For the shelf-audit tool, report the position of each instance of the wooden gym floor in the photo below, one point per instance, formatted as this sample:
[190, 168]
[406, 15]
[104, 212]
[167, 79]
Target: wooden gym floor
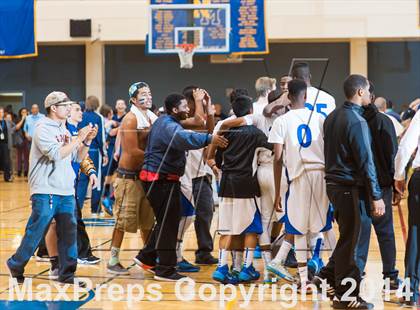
[15, 210]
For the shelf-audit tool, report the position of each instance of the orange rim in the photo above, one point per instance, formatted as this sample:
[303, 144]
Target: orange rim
[186, 47]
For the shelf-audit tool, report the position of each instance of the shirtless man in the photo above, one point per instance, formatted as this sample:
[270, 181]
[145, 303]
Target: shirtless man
[132, 209]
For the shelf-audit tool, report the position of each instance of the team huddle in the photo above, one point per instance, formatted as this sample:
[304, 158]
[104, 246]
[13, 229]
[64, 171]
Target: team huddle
[285, 167]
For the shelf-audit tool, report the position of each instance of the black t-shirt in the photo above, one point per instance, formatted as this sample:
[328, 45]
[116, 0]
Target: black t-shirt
[238, 179]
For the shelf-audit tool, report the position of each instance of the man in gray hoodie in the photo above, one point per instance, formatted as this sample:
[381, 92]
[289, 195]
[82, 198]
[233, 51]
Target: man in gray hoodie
[51, 182]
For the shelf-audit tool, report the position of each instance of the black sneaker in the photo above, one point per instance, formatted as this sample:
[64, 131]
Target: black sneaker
[170, 278]
[206, 260]
[20, 279]
[394, 285]
[407, 303]
[74, 281]
[291, 261]
[357, 303]
[318, 281]
[91, 260]
[143, 266]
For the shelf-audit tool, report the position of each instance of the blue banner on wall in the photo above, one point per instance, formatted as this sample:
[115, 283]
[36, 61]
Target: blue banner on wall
[248, 27]
[248, 33]
[17, 29]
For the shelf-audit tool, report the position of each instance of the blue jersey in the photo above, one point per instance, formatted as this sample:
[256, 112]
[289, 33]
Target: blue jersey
[73, 132]
[91, 117]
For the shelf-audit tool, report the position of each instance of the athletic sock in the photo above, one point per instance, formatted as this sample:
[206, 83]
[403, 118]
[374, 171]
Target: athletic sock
[283, 252]
[249, 257]
[184, 224]
[266, 255]
[238, 259]
[223, 256]
[115, 253]
[54, 262]
[179, 251]
[303, 274]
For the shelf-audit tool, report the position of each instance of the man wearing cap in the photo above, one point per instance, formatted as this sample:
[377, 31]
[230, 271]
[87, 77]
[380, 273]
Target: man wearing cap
[132, 209]
[51, 182]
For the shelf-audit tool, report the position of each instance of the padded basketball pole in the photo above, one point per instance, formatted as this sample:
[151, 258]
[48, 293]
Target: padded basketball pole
[190, 21]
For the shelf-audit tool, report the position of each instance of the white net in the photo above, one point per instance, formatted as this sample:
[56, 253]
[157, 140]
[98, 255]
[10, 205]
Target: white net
[186, 57]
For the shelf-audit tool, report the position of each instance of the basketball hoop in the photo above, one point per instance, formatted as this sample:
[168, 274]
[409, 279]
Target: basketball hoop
[185, 53]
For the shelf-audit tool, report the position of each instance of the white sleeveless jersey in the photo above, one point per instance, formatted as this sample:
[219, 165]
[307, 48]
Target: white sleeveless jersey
[303, 143]
[325, 103]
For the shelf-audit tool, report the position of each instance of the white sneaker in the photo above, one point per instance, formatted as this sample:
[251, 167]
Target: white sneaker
[42, 259]
[53, 274]
[279, 270]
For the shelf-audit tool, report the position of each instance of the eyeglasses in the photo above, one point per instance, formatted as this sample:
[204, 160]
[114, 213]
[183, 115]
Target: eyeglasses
[63, 105]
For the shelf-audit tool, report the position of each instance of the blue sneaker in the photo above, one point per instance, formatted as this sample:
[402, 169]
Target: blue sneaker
[222, 275]
[315, 264]
[248, 274]
[235, 275]
[185, 266]
[257, 252]
[108, 203]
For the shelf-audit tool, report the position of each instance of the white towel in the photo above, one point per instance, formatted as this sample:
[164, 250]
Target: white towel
[143, 121]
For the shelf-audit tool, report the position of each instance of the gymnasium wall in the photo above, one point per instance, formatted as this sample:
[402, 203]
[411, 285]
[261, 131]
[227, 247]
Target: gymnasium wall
[126, 20]
[56, 68]
[395, 69]
[126, 64]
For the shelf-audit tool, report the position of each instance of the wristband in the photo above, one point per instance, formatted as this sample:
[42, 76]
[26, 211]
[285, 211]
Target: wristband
[85, 144]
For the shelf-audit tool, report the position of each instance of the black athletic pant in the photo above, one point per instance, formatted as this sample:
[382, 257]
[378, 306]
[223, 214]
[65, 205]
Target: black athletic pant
[203, 201]
[348, 205]
[165, 199]
[384, 229]
[5, 162]
[412, 249]
[84, 249]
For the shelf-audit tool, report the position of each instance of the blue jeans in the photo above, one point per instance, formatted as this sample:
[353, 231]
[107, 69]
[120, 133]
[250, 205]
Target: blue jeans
[83, 183]
[384, 230]
[44, 209]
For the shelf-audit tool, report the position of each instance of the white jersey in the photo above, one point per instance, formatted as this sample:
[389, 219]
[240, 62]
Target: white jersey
[219, 123]
[261, 122]
[195, 164]
[409, 142]
[325, 103]
[264, 124]
[303, 142]
[258, 107]
[399, 129]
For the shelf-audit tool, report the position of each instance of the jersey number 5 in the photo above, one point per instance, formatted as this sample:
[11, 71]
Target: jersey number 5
[304, 135]
[319, 107]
